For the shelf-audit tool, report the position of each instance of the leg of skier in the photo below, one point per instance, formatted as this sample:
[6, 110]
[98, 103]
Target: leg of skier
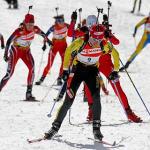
[106, 67]
[124, 101]
[51, 56]
[62, 48]
[69, 98]
[27, 58]
[143, 42]
[92, 81]
[13, 58]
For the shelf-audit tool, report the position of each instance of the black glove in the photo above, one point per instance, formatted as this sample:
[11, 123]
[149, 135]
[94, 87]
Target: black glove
[107, 34]
[65, 75]
[113, 75]
[74, 16]
[6, 57]
[135, 30]
[79, 25]
[2, 46]
[49, 42]
[44, 47]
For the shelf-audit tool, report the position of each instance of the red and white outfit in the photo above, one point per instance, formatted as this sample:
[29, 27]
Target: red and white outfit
[20, 49]
[59, 45]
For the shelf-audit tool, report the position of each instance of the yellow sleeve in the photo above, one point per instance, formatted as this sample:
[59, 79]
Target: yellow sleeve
[74, 46]
[115, 56]
[143, 21]
[109, 48]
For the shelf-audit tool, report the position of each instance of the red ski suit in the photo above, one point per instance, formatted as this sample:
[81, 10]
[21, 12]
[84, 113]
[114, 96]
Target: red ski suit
[20, 49]
[59, 45]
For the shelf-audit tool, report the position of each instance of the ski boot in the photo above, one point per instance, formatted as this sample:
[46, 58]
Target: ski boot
[29, 96]
[132, 11]
[124, 67]
[40, 81]
[59, 81]
[9, 7]
[132, 117]
[15, 5]
[54, 129]
[96, 130]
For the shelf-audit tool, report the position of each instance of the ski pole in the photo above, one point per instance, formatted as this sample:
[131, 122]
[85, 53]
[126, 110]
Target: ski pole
[70, 117]
[109, 5]
[61, 92]
[49, 89]
[59, 96]
[136, 88]
[40, 64]
[30, 7]
[99, 10]
[57, 8]
[140, 1]
[134, 41]
[80, 11]
[50, 114]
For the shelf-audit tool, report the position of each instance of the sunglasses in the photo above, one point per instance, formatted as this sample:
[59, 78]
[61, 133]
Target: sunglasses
[60, 20]
[29, 24]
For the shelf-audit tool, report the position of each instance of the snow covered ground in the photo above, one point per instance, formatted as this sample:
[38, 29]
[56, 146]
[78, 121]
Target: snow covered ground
[20, 120]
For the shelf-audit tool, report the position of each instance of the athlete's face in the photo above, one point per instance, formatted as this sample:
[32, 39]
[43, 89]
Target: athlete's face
[94, 42]
[29, 26]
[60, 21]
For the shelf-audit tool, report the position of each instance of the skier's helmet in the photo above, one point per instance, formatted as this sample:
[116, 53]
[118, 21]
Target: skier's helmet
[29, 18]
[91, 20]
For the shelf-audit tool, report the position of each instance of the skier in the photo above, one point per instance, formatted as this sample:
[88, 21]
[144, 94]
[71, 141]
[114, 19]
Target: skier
[2, 41]
[110, 70]
[143, 42]
[59, 30]
[85, 69]
[20, 49]
[134, 5]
